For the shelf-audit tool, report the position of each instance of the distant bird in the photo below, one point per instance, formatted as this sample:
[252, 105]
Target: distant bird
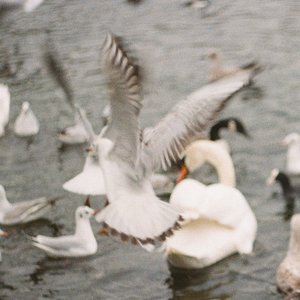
[23, 211]
[292, 141]
[2, 234]
[290, 193]
[4, 107]
[82, 243]
[26, 123]
[128, 157]
[232, 124]
[288, 274]
[218, 71]
[28, 5]
[75, 134]
[200, 4]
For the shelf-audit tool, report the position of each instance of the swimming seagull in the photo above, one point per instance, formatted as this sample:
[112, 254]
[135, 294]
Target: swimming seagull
[218, 71]
[26, 123]
[232, 124]
[128, 157]
[28, 5]
[82, 243]
[292, 141]
[24, 211]
[75, 134]
[288, 275]
[4, 107]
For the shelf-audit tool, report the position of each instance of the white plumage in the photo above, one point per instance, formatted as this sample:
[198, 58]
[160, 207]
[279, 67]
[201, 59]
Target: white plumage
[4, 107]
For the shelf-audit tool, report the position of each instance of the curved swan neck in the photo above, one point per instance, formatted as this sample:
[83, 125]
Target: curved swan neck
[208, 151]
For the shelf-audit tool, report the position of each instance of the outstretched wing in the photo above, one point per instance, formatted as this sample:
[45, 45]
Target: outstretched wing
[191, 117]
[125, 101]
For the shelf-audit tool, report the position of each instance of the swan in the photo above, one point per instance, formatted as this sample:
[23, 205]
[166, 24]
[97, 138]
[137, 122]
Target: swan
[217, 71]
[232, 124]
[26, 123]
[292, 141]
[23, 211]
[218, 219]
[128, 156]
[4, 107]
[82, 243]
[288, 272]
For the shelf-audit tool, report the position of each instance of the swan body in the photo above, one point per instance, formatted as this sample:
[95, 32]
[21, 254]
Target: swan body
[24, 211]
[292, 141]
[82, 243]
[26, 123]
[288, 272]
[218, 222]
[4, 107]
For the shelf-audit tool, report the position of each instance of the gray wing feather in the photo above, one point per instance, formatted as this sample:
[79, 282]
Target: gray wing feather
[125, 101]
[191, 117]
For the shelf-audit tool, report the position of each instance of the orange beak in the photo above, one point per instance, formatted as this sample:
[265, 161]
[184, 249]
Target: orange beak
[182, 173]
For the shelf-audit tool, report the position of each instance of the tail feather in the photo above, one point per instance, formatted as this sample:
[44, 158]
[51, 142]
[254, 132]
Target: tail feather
[145, 220]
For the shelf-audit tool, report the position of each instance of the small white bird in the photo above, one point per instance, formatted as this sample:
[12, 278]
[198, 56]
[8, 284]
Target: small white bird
[288, 272]
[28, 5]
[292, 141]
[4, 107]
[82, 243]
[26, 123]
[24, 211]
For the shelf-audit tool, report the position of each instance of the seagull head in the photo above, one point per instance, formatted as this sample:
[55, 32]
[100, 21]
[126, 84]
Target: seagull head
[25, 107]
[84, 212]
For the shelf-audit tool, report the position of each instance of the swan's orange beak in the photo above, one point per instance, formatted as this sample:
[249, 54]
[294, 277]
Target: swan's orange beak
[182, 173]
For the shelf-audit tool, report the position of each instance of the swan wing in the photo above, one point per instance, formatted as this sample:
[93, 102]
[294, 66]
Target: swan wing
[191, 117]
[123, 80]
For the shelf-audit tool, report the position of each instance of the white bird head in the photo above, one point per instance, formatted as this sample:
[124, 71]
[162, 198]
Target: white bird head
[25, 107]
[84, 212]
[291, 139]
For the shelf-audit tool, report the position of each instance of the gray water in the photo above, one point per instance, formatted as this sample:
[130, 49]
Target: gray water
[171, 42]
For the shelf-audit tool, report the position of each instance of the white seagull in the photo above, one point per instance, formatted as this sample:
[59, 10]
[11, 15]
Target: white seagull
[26, 123]
[28, 5]
[23, 211]
[4, 107]
[128, 157]
[82, 243]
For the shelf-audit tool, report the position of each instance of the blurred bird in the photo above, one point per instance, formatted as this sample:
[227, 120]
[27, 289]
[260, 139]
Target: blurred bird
[218, 71]
[4, 107]
[27, 5]
[26, 123]
[292, 141]
[128, 157]
[23, 211]
[200, 4]
[82, 243]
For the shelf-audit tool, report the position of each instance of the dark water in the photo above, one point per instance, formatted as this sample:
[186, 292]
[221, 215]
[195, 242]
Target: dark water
[171, 42]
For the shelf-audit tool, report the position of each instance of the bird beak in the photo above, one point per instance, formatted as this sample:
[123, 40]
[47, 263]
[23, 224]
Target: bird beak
[96, 211]
[182, 173]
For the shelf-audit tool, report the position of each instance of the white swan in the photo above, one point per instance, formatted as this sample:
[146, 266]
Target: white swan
[4, 107]
[23, 211]
[288, 272]
[217, 71]
[82, 243]
[128, 157]
[292, 141]
[232, 124]
[218, 219]
[26, 123]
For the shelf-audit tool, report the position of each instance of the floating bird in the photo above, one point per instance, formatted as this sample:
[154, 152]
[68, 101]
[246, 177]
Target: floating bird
[28, 5]
[218, 71]
[26, 123]
[290, 193]
[218, 219]
[24, 211]
[288, 272]
[4, 107]
[128, 158]
[82, 243]
[75, 134]
[292, 141]
[233, 124]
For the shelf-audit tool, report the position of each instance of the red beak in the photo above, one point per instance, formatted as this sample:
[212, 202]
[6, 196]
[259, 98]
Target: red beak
[182, 173]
